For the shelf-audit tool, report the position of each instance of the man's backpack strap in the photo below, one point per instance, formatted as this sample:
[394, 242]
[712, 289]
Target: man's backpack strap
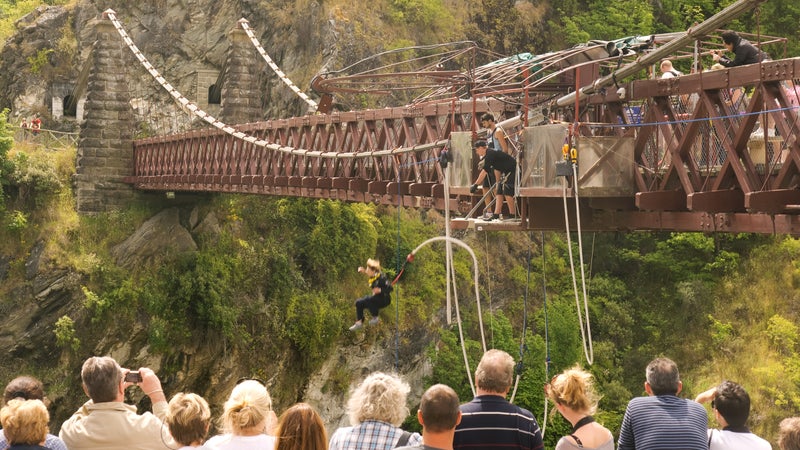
[403, 439]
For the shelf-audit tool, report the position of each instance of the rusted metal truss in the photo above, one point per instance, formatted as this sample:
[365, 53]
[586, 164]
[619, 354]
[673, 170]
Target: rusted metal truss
[703, 159]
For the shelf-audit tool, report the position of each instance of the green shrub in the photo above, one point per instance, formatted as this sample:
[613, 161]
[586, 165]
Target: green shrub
[65, 334]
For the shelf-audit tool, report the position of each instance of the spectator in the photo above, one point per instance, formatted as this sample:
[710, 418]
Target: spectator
[573, 394]
[105, 422]
[662, 420]
[24, 124]
[36, 124]
[731, 406]
[489, 421]
[188, 419]
[246, 419]
[376, 408]
[504, 168]
[496, 135]
[25, 424]
[28, 388]
[301, 428]
[789, 435]
[667, 71]
[378, 299]
[745, 52]
[438, 414]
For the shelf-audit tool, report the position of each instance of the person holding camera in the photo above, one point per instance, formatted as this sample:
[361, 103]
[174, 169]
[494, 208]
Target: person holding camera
[745, 52]
[105, 421]
[504, 167]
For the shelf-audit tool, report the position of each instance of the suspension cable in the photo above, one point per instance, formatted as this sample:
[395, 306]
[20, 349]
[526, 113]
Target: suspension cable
[246, 27]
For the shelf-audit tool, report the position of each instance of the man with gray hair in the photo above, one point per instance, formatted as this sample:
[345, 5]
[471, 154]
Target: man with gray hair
[490, 421]
[663, 420]
[105, 421]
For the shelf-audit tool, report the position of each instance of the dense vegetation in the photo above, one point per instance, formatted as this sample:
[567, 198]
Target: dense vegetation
[279, 274]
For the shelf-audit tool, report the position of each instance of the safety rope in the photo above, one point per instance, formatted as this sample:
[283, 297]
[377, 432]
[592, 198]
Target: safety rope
[546, 333]
[586, 331]
[523, 346]
[188, 105]
[246, 27]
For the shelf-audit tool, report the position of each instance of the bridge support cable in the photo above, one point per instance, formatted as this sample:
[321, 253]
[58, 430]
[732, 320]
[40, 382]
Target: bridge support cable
[458, 313]
[245, 25]
[192, 108]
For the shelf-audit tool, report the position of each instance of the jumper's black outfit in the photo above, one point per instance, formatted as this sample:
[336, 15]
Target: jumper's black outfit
[506, 164]
[374, 302]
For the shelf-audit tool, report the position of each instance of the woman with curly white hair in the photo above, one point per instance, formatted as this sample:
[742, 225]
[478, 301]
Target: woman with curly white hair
[376, 408]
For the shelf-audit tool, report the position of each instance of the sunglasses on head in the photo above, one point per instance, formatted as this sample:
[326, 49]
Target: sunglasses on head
[243, 379]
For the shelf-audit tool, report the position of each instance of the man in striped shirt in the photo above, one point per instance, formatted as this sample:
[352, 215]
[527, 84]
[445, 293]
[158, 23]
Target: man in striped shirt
[662, 420]
[489, 421]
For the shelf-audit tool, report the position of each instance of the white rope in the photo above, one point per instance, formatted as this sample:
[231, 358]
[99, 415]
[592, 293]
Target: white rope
[246, 27]
[587, 350]
[186, 104]
[458, 313]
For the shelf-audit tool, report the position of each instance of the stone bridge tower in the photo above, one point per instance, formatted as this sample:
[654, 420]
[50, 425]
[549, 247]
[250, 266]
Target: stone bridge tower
[105, 149]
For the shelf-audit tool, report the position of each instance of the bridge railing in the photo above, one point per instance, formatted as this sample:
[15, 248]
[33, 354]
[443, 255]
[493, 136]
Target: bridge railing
[46, 138]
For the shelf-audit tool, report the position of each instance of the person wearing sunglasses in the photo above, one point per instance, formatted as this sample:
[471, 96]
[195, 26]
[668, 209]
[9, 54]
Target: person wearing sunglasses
[573, 394]
[378, 299]
[730, 403]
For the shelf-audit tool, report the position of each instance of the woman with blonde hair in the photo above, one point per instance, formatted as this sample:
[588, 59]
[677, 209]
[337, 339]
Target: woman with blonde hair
[376, 408]
[188, 419]
[246, 419]
[574, 396]
[301, 428]
[25, 424]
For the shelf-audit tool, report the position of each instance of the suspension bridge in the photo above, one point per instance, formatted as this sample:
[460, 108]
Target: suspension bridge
[712, 151]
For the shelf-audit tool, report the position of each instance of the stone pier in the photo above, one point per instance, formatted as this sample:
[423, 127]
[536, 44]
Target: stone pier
[105, 148]
[241, 95]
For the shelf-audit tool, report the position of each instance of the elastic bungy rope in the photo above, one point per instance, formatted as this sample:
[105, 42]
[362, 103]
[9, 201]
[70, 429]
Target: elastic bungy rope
[588, 351]
[397, 291]
[411, 257]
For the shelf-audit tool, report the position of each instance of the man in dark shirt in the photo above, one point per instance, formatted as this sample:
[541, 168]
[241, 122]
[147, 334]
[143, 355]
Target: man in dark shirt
[746, 53]
[504, 167]
[489, 421]
[438, 414]
[662, 420]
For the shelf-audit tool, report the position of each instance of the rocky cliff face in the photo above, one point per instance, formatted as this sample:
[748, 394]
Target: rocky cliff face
[206, 365]
[178, 37]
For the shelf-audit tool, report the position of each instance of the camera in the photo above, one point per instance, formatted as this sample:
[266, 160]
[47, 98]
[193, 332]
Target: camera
[133, 377]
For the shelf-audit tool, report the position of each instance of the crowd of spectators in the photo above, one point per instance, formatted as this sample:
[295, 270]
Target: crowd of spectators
[377, 409]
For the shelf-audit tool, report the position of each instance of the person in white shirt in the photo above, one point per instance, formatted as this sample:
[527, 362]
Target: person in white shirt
[188, 419]
[246, 419]
[731, 406]
[667, 71]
